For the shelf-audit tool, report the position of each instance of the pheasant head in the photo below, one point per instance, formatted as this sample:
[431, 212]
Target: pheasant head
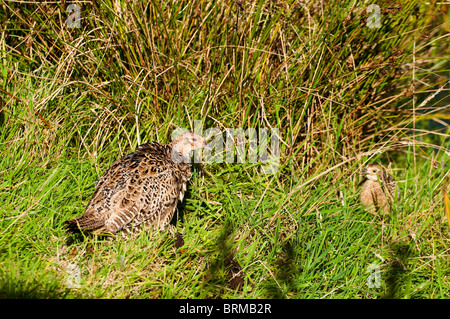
[184, 144]
[372, 172]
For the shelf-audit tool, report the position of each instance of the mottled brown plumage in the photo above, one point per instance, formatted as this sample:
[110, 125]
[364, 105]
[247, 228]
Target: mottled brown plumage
[140, 189]
[379, 189]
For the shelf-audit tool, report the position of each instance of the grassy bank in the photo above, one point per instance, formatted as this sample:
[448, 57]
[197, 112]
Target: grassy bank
[341, 94]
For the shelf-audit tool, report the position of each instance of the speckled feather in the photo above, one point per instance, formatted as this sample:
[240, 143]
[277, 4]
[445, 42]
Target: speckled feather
[140, 189]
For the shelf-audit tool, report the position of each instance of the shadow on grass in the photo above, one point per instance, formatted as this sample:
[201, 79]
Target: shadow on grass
[397, 272]
[285, 271]
[224, 272]
[31, 288]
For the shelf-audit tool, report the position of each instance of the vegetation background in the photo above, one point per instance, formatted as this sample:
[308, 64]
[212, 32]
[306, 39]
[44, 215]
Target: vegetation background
[342, 94]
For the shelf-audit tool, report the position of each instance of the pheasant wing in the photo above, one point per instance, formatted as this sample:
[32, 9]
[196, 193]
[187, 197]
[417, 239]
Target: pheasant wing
[118, 197]
[158, 202]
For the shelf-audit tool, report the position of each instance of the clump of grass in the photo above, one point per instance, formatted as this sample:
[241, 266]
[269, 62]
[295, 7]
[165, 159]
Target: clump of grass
[340, 93]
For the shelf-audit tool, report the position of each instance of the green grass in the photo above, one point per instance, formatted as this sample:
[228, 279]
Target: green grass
[74, 100]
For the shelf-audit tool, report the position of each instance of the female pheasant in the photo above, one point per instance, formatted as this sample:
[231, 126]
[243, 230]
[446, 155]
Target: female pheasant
[140, 189]
[379, 189]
